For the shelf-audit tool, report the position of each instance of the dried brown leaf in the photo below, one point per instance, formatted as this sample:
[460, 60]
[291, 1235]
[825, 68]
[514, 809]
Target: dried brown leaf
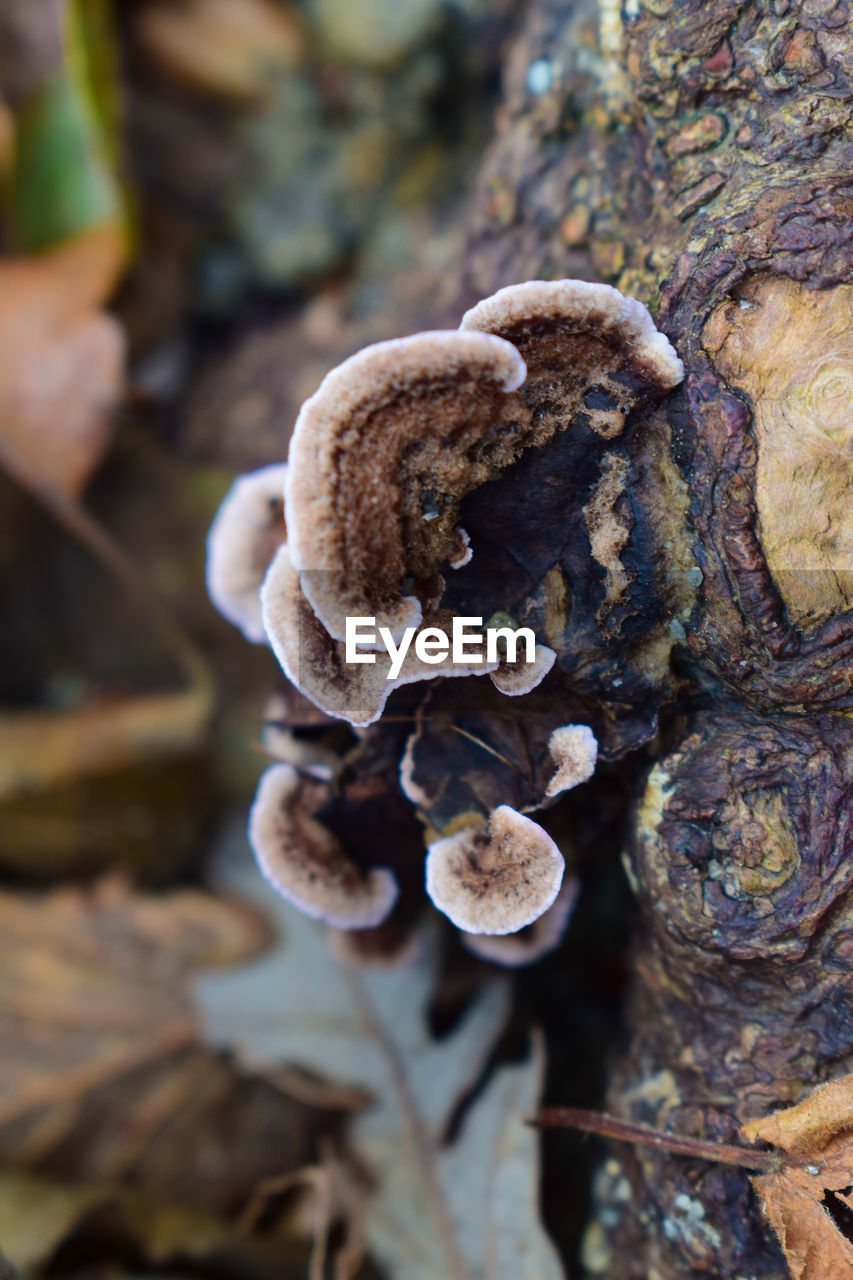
[807, 1200]
[40, 749]
[92, 983]
[61, 361]
[226, 48]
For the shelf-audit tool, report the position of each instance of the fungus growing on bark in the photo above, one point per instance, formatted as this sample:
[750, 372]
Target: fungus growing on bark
[316, 663]
[397, 435]
[535, 941]
[380, 456]
[516, 678]
[603, 347]
[574, 750]
[248, 528]
[515, 415]
[495, 878]
[304, 862]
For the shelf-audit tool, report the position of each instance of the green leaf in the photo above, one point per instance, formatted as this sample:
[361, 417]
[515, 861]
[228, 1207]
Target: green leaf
[64, 176]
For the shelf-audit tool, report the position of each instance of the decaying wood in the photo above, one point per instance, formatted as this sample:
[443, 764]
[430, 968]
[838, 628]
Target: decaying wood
[698, 156]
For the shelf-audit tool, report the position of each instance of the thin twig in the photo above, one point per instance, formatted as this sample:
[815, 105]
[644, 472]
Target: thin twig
[646, 1136]
[472, 737]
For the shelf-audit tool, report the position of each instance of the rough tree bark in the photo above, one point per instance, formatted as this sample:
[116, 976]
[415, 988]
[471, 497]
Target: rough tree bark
[699, 156]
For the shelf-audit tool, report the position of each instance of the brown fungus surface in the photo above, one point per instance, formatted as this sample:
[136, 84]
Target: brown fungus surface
[304, 861]
[473, 749]
[495, 878]
[379, 459]
[510, 470]
[519, 677]
[316, 664]
[245, 535]
[397, 435]
[589, 351]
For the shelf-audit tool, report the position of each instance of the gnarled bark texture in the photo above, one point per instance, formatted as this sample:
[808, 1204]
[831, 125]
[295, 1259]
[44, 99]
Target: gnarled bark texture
[698, 156]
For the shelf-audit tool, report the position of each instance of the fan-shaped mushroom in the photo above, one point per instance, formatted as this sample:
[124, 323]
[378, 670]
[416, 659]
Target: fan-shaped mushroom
[380, 456]
[248, 528]
[306, 864]
[317, 664]
[574, 750]
[495, 878]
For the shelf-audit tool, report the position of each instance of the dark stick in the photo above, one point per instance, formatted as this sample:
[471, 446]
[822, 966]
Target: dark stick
[624, 1131]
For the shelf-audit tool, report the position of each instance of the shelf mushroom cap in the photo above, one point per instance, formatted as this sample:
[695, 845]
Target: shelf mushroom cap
[603, 330]
[517, 678]
[497, 878]
[380, 457]
[304, 862]
[514, 950]
[247, 529]
[316, 664]
[574, 750]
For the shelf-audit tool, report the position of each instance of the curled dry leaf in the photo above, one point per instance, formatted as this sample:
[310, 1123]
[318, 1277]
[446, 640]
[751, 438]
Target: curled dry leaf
[809, 1199]
[61, 361]
[91, 984]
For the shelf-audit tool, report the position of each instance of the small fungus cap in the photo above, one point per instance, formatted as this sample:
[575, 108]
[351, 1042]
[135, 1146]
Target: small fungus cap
[574, 750]
[519, 677]
[513, 950]
[380, 457]
[496, 879]
[246, 531]
[316, 663]
[580, 307]
[304, 862]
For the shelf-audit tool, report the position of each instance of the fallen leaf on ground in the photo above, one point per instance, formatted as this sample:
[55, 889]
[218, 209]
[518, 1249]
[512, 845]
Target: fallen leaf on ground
[226, 48]
[40, 749]
[38, 1216]
[809, 1200]
[331, 1192]
[61, 361]
[93, 983]
[460, 1209]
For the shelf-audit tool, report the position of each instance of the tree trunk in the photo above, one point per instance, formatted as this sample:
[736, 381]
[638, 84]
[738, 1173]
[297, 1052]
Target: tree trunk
[698, 156]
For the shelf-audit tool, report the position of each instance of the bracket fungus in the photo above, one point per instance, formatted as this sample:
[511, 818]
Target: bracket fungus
[395, 437]
[248, 528]
[512, 950]
[574, 750]
[437, 480]
[306, 864]
[517, 678]
[496, 878]
[379, 458]
[316, 663]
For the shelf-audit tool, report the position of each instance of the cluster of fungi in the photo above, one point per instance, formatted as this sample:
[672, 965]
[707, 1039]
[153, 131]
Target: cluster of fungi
[681, 548]
[482, 472]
